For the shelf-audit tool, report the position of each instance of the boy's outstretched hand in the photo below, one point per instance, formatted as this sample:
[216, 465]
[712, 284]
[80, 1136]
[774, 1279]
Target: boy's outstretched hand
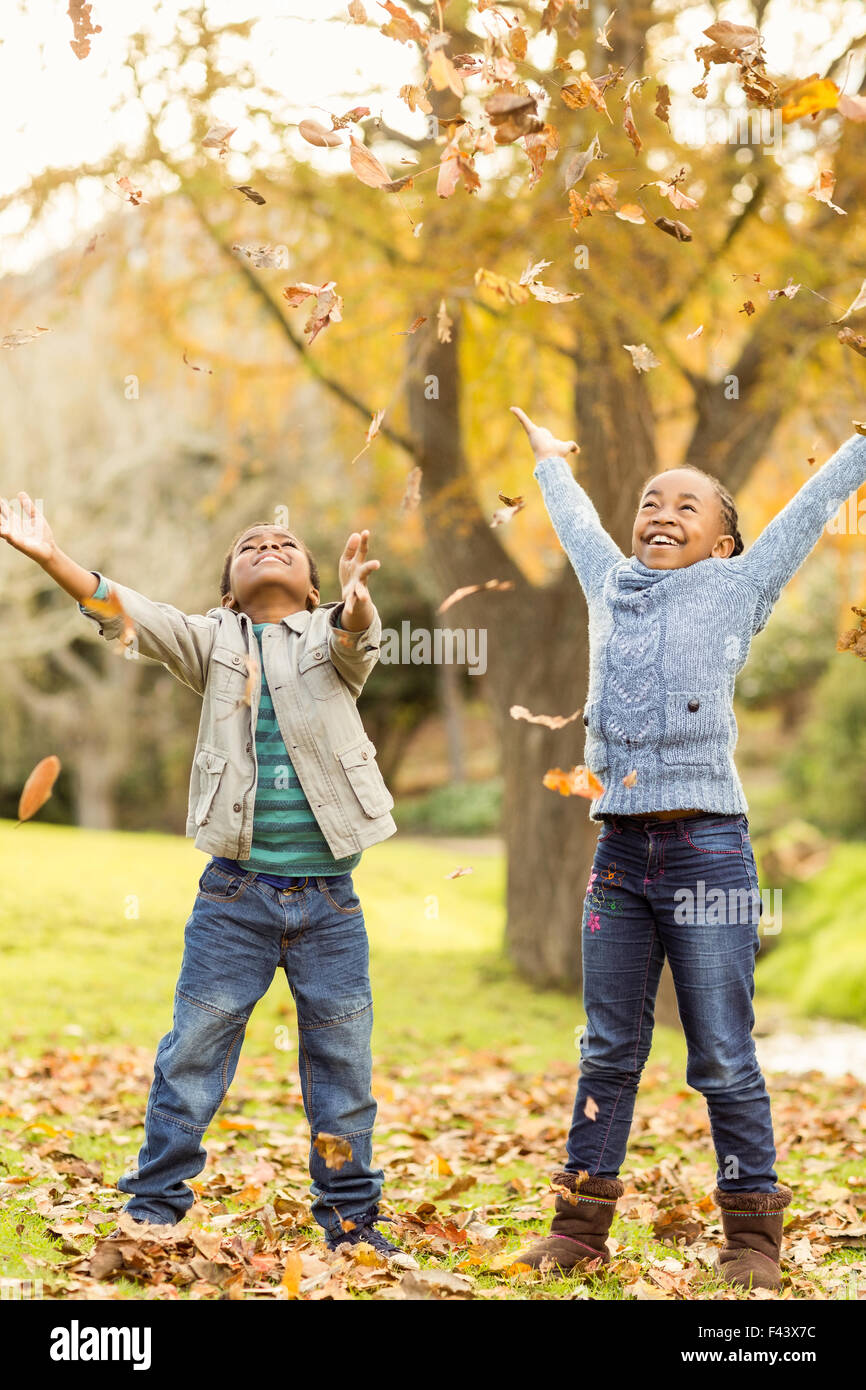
[541, 441]
[354, 567]
[26, 529]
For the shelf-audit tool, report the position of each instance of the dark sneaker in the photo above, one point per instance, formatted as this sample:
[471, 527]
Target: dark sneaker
[366, 1232]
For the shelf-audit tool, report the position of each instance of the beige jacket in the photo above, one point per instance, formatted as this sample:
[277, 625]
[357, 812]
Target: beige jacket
[315, 673]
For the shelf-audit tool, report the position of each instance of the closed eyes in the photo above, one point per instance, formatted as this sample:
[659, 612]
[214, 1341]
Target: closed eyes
[250, 545]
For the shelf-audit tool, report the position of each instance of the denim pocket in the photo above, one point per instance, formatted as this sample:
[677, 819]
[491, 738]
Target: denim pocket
[220, 886]
[339, 891]
[715, 834]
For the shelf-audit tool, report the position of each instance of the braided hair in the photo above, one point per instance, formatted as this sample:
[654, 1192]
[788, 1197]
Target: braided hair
[730, 520]
[225, 578]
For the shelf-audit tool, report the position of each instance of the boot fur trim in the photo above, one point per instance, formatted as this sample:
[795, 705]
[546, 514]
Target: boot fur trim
[753, 1203]
[603, 1189]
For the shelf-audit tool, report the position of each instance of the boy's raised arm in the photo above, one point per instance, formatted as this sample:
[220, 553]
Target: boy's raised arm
[786, 541]
[588, 546]
[182, 643]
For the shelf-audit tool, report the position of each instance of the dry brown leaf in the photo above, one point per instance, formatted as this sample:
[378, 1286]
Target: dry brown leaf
[37, 788]
[859, 302]
[458, 594]
[218, 137]
[577, 781]
[822, 190]
[366, 166]
[590, 1110]
[550, 721]
[642, 356]
[20, 336]
[316, 134]
[335, 1150]
[250, 193]
[79, 13]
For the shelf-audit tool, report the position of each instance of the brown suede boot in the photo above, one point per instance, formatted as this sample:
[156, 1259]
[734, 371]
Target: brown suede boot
[579, 1228]
[752, 1222]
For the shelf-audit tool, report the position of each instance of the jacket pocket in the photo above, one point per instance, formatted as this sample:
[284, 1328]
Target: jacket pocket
[318, 675]
[595, 754]
[358, 761]
[210, 765]
[227, 675]
[696, 728]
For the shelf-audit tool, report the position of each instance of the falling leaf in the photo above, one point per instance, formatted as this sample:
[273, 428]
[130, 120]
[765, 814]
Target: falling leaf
[443, 74]
[578, 781]
[373, 427]
[133, 195]
[79, 13]
[852, 108]
[329, 305]
[402, 27]
[696, 333]
[822, 190]
[508, 290]
[590, 1110]
[584, 92]
[670, 189]
[218, 137]
[357, 13]
[748, 309]
[250, 193]
[20, 336]
[550, 721]
[458, 873]
[854, 640]
[807, 97]
[577, 165]
[316, 134]
[334, 1150]
[743, 45]
[642, 356]
[413, 327]
[859, 426]
[440, 1167]
[602, 34]
[788, 291]
[111, 607]
[263, 257]
[444, 324]
[679, 230]
[631, 212]
[858, 303]
[37, 788]
[412, 495]
[547, 295]
[458, 594]
[630, 778]
[505, 514]
[630, 129]
[663, 103]
[194, 367]
[852, 340]
[366, 166]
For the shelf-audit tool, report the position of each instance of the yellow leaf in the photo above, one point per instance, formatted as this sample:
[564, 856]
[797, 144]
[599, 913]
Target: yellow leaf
[291, 1280]
[805, 98]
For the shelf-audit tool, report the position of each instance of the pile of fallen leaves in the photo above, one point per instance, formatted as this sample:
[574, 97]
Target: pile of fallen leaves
[468, 1148]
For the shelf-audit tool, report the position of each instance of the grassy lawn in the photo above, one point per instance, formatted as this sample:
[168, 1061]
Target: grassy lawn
[475, 1076]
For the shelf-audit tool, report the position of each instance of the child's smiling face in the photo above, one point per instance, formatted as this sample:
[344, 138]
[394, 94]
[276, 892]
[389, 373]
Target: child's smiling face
[683, 507]
[270, 573]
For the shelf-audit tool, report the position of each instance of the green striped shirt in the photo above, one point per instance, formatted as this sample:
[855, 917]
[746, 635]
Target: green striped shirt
[286, 835]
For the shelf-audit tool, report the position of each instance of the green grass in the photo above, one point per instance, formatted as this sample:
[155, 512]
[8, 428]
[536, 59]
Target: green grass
[75, 956]
[819, 965]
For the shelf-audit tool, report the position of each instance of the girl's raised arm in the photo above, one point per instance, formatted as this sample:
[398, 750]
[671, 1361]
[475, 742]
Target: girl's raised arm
[785, 542]
[588, 546]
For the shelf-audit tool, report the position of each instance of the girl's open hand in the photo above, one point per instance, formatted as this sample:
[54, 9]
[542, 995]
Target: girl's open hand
[541, 441]
[25, 528]
[354, 568]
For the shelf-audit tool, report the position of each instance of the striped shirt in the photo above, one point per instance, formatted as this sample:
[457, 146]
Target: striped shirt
[286, 836]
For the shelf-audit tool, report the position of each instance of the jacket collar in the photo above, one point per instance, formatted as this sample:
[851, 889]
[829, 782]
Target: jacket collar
[298, 622]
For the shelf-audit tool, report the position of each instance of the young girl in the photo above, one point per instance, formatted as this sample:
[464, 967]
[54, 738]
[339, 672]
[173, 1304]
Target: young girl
[674, 873]
[285, 794]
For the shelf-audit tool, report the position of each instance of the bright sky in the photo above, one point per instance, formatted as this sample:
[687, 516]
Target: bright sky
[55, 109]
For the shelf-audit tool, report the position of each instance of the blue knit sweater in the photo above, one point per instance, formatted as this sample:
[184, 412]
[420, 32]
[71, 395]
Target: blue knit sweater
[665, 646]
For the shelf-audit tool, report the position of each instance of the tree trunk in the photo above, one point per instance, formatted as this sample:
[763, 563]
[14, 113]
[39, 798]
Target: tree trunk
[451, 706]
[94, 789]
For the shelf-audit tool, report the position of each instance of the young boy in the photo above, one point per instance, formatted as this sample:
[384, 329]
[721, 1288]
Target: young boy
[285, 794]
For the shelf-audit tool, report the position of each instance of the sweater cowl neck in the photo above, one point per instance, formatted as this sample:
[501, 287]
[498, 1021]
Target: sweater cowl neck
[633, 578]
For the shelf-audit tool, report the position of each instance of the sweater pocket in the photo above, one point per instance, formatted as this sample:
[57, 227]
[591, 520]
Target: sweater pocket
[696, 728]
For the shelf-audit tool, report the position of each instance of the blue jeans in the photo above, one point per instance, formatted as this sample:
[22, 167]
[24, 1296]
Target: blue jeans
[686, 889]
[239, 932]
